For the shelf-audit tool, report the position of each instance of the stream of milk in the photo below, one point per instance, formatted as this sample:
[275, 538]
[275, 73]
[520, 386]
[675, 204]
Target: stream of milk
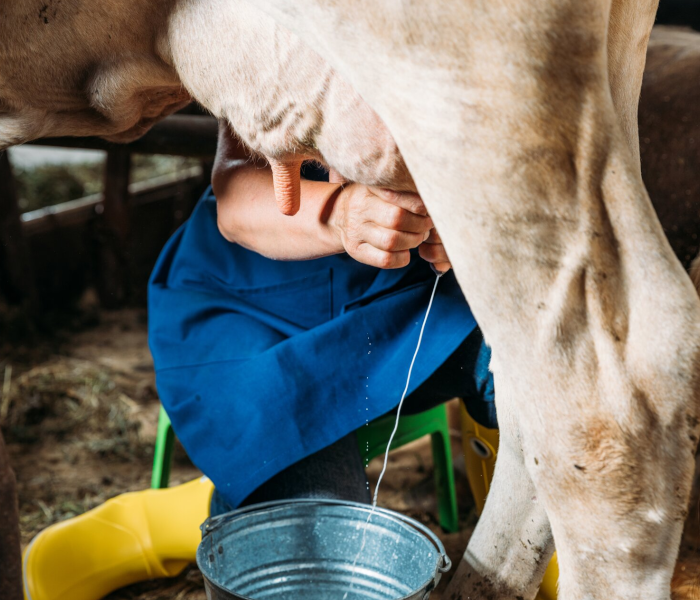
[391, 439]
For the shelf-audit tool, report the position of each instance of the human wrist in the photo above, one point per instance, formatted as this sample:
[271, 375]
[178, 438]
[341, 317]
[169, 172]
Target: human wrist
[336, 210]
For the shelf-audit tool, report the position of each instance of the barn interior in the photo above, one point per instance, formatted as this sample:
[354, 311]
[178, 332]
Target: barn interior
[79, 407]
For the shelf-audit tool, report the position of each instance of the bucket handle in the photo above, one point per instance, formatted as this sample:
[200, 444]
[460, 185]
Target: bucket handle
[214, 523]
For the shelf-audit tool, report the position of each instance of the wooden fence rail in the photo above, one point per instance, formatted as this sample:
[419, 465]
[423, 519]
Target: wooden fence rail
[178, 135]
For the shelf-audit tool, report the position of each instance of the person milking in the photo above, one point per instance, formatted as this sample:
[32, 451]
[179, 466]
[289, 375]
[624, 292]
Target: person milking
[275, 338]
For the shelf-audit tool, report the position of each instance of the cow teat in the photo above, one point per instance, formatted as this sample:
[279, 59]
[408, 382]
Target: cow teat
[286, 176]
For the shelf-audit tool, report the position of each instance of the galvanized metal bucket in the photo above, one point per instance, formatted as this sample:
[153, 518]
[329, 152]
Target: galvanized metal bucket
[305, 549]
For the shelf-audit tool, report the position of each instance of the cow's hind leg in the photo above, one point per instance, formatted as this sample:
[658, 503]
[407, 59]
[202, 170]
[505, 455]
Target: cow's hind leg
[512, 543]
[504, 114]
[487, 568]
[595, 328]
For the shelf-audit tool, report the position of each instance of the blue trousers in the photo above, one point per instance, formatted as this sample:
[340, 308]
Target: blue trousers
[337, 471]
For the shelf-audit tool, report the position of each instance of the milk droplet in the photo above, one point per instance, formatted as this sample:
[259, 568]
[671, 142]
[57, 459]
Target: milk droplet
[391, 437]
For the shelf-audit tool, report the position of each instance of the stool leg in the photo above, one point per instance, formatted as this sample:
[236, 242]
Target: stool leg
[445, 480]
[163, 454]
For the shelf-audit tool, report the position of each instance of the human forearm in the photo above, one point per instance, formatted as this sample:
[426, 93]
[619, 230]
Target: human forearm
[375, 226]
[248, 215]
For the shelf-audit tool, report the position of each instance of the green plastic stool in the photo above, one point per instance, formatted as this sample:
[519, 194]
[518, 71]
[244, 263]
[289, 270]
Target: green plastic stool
[372, 440]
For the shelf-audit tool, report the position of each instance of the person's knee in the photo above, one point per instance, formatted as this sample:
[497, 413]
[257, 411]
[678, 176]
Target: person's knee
[481, 403]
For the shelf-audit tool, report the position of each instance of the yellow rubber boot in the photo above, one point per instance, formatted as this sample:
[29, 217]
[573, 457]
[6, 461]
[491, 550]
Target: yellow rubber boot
[480, 447]
[130, 538]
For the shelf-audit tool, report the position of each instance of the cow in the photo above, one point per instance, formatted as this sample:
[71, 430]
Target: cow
[516, 122]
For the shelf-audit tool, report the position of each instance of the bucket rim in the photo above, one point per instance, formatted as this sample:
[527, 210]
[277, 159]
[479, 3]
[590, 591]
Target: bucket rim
[212, 524]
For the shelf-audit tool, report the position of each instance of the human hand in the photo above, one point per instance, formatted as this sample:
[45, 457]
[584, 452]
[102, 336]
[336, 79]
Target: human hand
[433, 251]
[379, 227]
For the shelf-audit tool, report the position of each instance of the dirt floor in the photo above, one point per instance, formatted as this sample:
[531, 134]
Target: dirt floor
[79, 413]
[79, 410]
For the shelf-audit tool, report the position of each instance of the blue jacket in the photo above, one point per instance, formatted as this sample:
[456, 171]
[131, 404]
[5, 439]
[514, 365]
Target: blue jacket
[260, 363]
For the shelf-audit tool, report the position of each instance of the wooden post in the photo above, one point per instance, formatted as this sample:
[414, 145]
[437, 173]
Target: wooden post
[16, 273]
[112, 280]
[18, 282]
[10, 558]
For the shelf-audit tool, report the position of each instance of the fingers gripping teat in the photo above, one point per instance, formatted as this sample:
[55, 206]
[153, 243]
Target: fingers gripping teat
[286, 176]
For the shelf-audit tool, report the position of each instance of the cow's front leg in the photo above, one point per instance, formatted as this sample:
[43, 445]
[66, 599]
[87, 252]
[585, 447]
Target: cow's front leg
[512, 542]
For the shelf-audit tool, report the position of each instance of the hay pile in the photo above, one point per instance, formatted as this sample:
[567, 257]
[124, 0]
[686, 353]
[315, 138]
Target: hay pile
[75, 399]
